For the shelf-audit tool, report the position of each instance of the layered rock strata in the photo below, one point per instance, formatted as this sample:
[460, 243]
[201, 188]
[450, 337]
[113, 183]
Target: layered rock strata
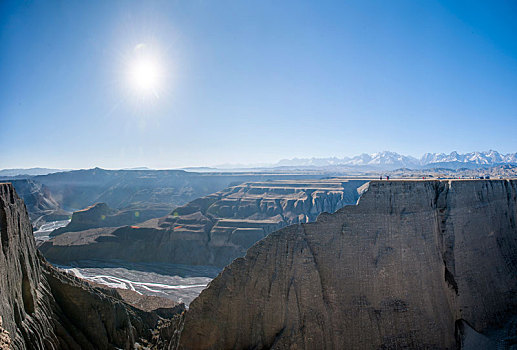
[43, 308]
[211, 230]
[101, 215]
[415, 265]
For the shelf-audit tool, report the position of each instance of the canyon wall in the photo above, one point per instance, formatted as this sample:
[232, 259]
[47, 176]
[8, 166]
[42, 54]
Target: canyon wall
[43, 308]
[415, 265]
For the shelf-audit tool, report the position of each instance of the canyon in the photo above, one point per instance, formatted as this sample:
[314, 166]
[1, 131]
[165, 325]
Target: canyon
[212, 230]
[412, 265]
[155, 193]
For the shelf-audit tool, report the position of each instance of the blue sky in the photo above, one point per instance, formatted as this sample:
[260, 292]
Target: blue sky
[254, 81]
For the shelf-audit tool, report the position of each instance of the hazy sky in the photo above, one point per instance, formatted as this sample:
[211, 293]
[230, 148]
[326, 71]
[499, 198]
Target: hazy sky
[253, 81]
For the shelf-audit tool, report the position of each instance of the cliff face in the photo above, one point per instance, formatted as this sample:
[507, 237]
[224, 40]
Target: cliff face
[21, 276]
[43, 308]
[212, 230]
[415, 265]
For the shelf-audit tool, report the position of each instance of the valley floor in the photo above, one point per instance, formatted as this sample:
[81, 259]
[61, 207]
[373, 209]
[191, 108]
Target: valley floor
[179, 283]
[42, 234]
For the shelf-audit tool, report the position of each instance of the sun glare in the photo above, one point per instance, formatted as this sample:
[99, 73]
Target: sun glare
[144, 72]
[145, 75]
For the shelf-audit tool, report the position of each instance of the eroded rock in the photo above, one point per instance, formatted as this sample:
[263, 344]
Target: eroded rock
[407, 268]
[43, 308]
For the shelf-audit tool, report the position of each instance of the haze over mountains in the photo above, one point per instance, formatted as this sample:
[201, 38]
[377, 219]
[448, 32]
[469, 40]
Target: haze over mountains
[54, 196]
[385, 160]
[28, 172]
[77, 189]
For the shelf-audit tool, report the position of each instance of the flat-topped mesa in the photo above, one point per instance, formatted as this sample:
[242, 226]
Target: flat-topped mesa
[212, 230]
[101, 215]
[90, 217]
[416, 264]
[43, 308]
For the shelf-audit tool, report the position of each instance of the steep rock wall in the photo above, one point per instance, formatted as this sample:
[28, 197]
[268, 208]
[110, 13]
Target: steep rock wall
[415, 265]
[43, 308]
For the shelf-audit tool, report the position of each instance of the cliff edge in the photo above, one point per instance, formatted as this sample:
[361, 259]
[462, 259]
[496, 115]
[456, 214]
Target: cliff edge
[415, 265]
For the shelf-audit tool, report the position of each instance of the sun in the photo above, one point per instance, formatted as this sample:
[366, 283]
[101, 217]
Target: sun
[145, 73]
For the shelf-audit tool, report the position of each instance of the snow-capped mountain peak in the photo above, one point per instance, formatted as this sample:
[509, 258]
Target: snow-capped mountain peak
[392, 160]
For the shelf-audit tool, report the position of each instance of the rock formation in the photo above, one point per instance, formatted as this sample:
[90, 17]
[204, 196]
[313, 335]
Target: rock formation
[415, 265]
[119, 189]
[101, 215]
[43, 308]
[212, 230]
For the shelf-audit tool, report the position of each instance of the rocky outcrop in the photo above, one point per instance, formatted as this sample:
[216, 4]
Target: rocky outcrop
[43, 308]
[212, 230]
[415, 265]
[101, 215]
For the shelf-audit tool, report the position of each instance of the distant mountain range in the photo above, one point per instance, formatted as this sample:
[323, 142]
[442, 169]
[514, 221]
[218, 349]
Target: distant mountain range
[392, 160]
[29, 172]
[376, 161]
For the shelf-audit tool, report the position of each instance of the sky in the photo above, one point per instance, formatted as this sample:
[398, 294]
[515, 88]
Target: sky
[252, 81]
